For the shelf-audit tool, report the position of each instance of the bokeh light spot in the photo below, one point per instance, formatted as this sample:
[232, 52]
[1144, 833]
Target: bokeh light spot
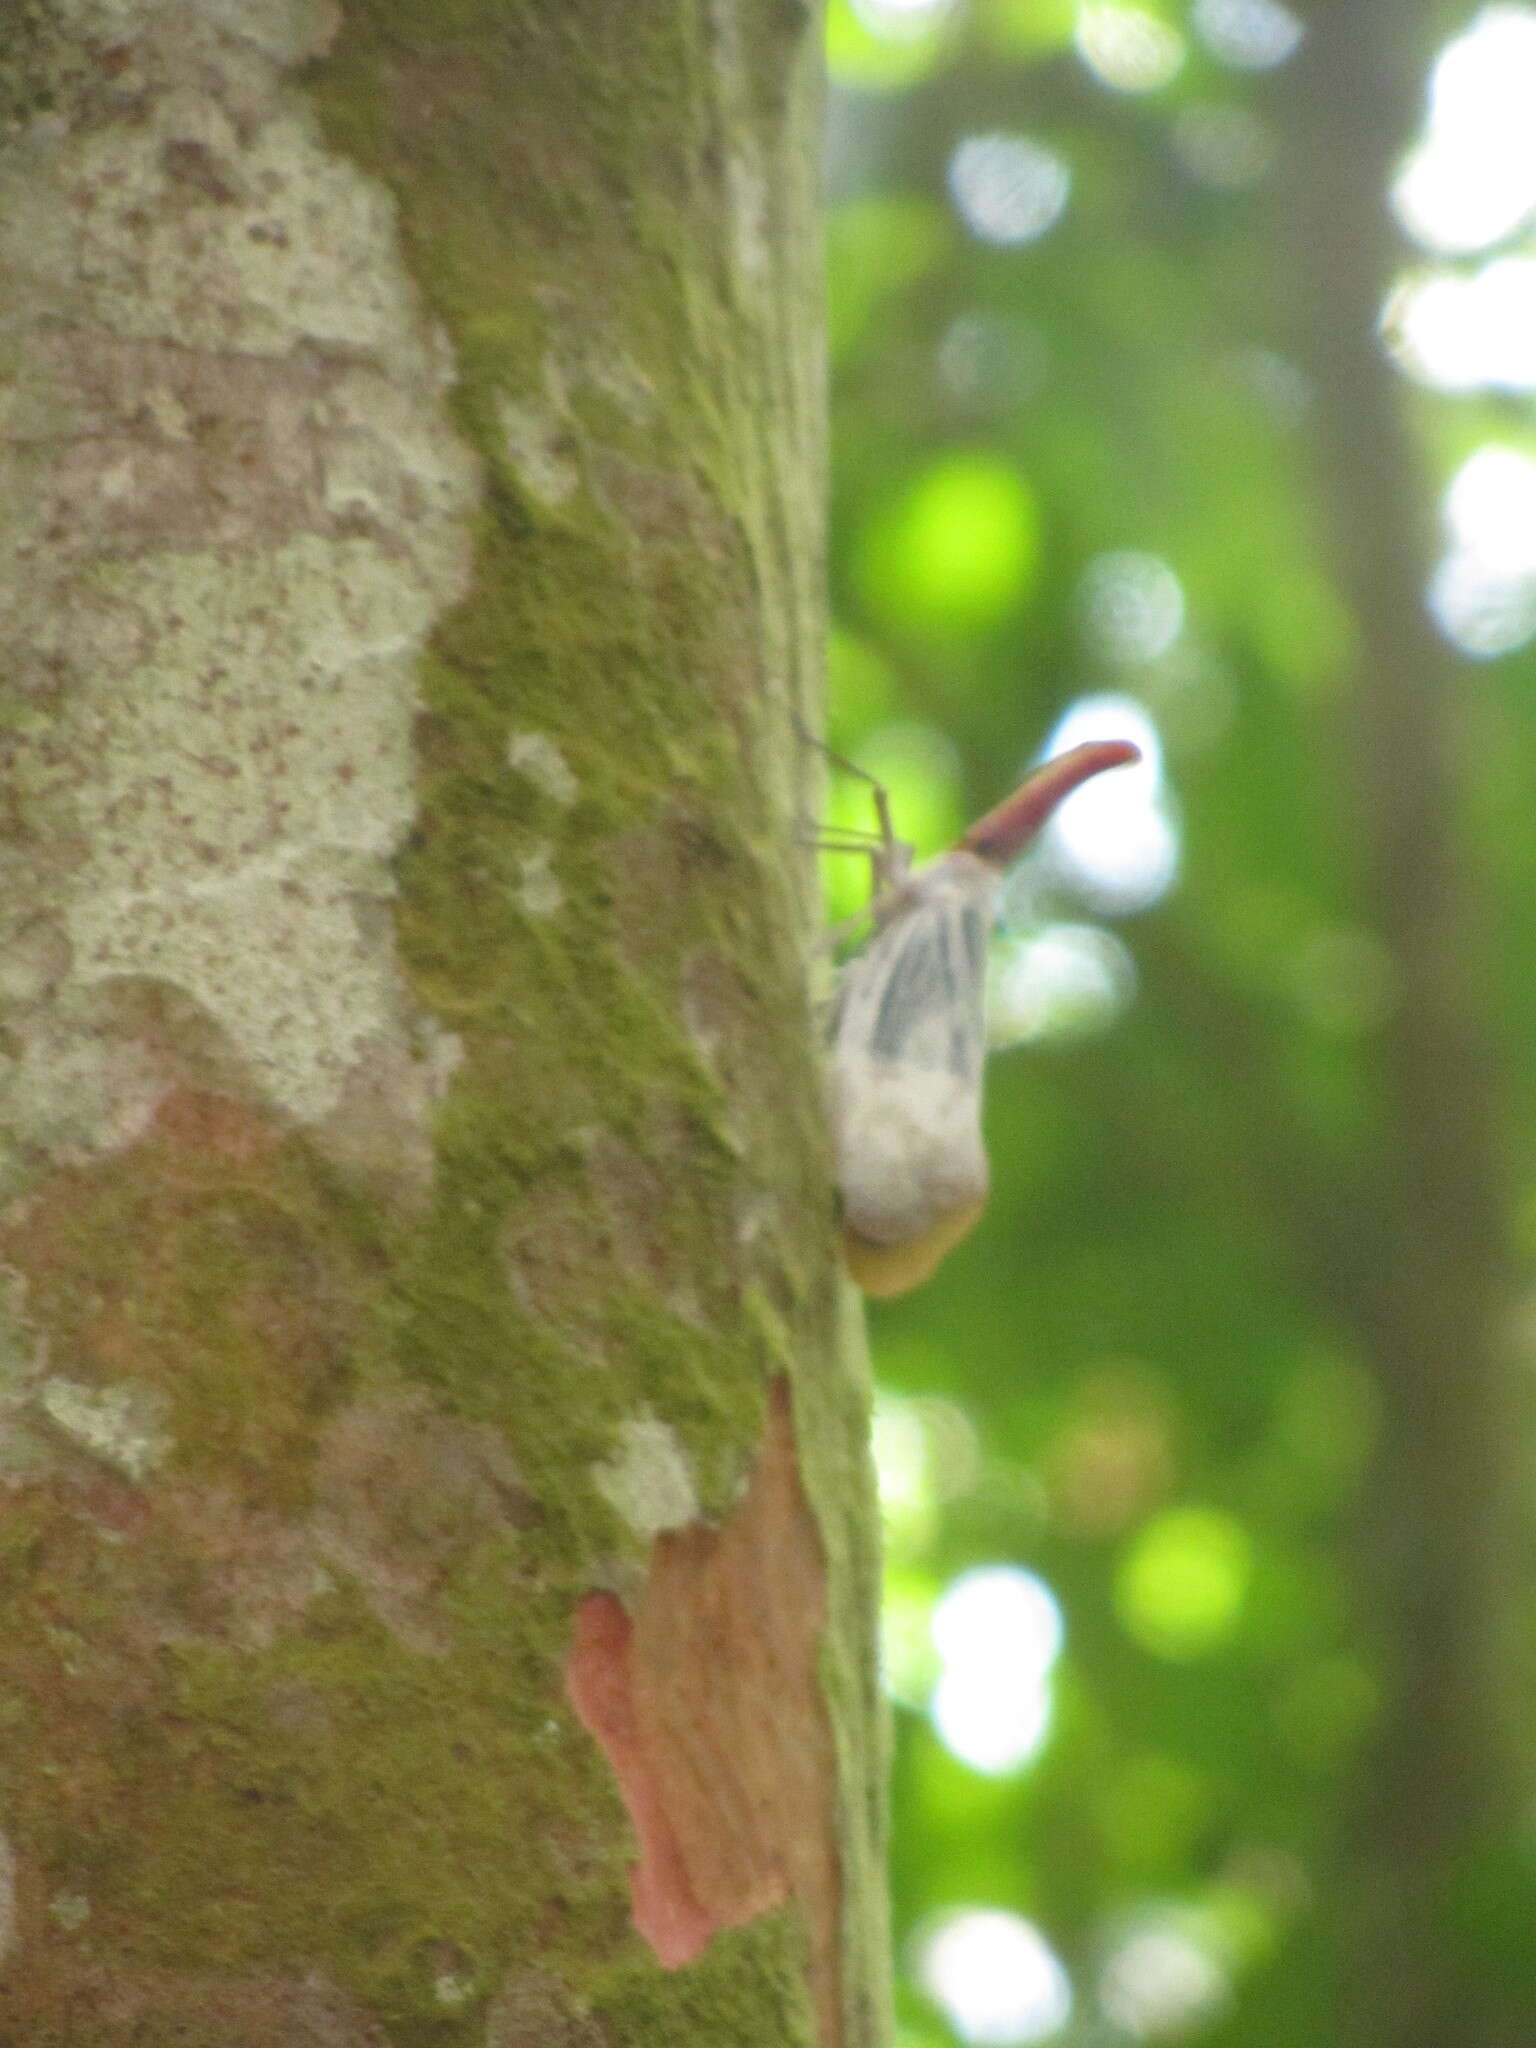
[1482, 613]
[1483, 594]
[925, 1451]
[1472, 181]
[1114, 1460]
[1224, 145]
[899, 1445]
[1280, 385]
[996, 1977]
[1182, 1583]
[1490, 508]
[1132, 606]
[953, 1449]
[1250, 35]
[902, 19]
[1468, 333]
[1127, 48]
[1063, 981]
[957, 550]
[998, 1632]
[1112, 843]
[874, 47]
[993, 1728]
[919, 771]
[1161, 1982]
[1008, 189]
[909, 1665]
[1025, 27]
[998, 1603]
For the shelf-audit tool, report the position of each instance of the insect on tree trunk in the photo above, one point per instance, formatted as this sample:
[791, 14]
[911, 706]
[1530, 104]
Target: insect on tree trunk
[439, 1561]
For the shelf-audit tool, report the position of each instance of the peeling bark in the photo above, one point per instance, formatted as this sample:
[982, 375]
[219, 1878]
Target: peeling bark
[708, 1705]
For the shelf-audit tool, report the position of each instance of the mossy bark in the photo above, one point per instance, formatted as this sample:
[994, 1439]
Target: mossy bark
[416, 1225]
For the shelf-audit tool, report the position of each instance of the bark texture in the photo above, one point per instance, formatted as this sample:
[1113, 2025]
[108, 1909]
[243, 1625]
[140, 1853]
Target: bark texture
[417, 1243]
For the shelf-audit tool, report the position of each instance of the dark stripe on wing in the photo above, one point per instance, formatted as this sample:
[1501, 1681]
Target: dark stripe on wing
[930, 1009]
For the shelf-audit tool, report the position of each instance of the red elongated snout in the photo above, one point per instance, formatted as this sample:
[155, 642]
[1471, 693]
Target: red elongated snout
[1002, 835]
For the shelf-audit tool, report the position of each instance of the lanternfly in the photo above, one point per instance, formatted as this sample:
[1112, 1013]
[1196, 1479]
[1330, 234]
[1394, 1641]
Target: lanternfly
[909, 1038]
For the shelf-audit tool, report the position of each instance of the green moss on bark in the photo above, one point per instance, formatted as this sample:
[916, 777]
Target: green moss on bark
[616, 629]
[677, 1128]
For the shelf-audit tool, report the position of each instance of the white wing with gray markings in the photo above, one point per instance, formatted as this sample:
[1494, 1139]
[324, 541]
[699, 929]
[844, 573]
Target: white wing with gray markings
[908, 1048]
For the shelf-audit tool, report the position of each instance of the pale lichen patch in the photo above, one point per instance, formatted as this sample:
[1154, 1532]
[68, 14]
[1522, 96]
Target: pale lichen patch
[534, 2006]
[746, 178]
[539, 892]
[36, 960]
[757, 1215]
[403, 1495]
[444, 1053]
[123, 1425]
[538, 445]
[232, 508]
[649, 1484]
[583, 359]
[279, 237]
[381, 1125]
[76, 1086]
[748, 190]
[535, 755]
[69, 1910]
[239, 819]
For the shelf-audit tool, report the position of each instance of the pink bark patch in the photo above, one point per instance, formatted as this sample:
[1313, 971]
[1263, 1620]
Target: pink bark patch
[706, 1702]
[600, 1678]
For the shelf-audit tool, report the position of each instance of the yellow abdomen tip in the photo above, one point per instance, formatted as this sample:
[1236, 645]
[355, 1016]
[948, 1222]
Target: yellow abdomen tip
[886, 1269]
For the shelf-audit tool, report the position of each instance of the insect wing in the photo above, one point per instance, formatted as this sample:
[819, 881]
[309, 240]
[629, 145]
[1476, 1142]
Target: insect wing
[909, 1042]
[914, 995]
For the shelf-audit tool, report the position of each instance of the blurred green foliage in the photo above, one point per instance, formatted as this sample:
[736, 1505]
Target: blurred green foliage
[1134, 1381]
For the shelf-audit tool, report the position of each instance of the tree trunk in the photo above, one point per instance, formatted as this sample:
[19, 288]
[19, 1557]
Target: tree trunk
[1430, 1293]
[439, 1559]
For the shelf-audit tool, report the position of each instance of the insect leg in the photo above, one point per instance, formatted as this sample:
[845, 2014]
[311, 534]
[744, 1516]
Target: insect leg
[896, 853]
[843, 839]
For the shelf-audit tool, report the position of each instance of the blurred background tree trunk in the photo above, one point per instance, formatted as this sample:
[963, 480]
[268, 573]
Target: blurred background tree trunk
[439, 1565]
[1422, 1272]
